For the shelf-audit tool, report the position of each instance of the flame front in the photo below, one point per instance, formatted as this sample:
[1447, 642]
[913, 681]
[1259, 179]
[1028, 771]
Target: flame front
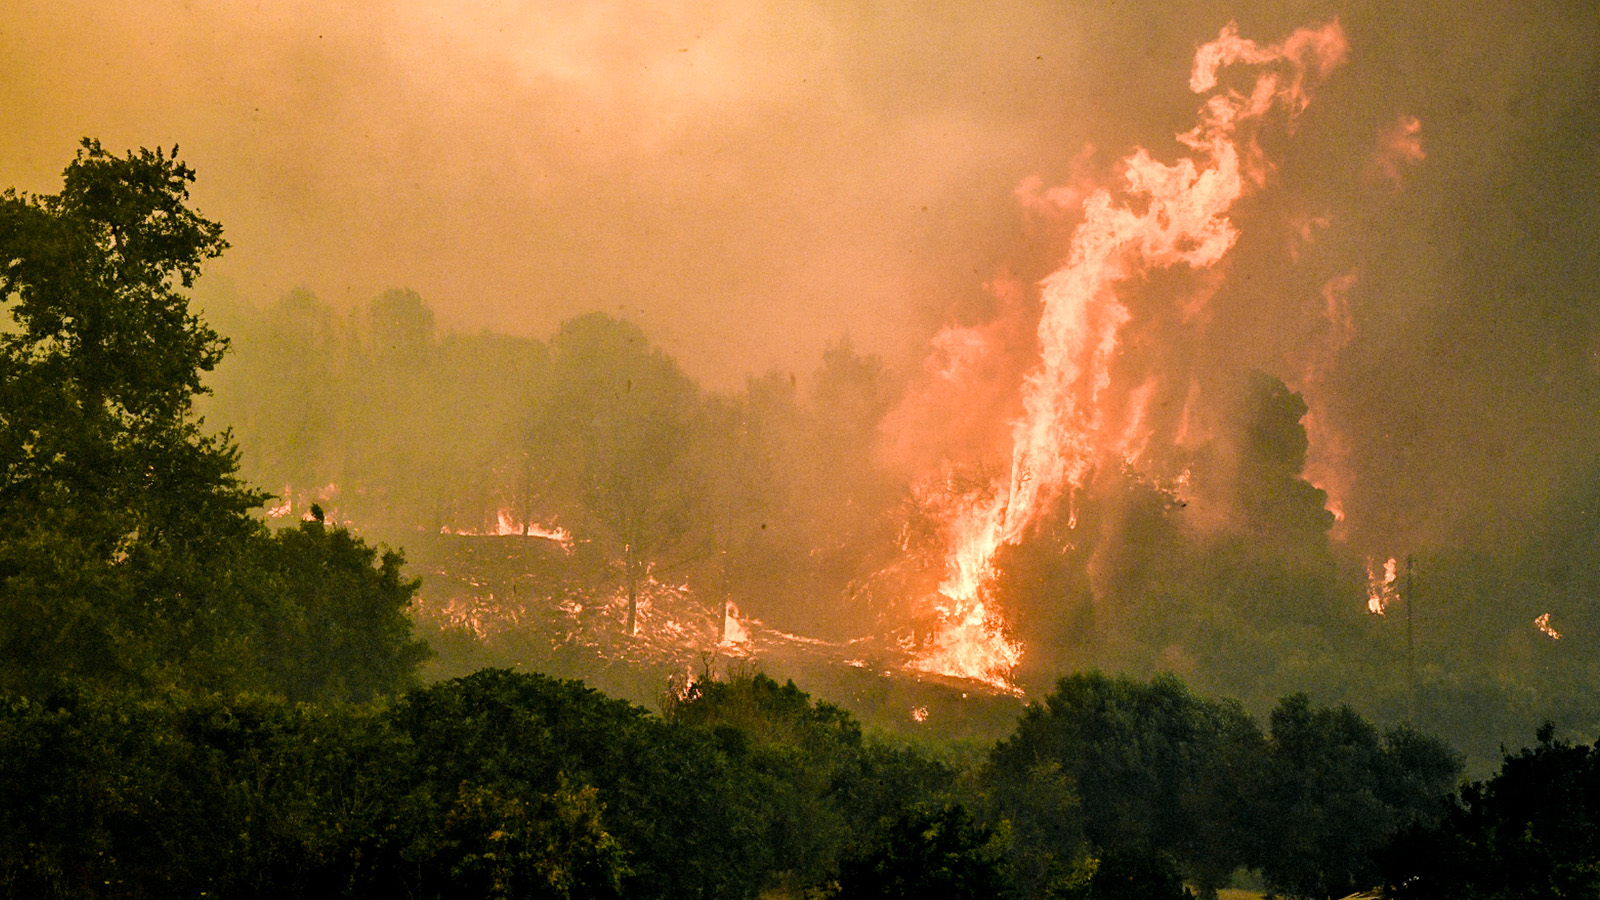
[1168, 215]
[1382, 589]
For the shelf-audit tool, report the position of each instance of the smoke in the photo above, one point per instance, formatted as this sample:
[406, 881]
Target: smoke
[751, 181]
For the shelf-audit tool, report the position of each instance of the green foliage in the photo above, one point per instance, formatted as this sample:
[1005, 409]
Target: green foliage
[547, 847]
[1134, 875]
[253, 797]
[503, 784]
[122, 519]
[242, 798]
[672, 796]
[130, 560]
[928, 852]
[1530, 832]
[1335, 791]
[1144, 776]
[335, 626]
[1153, 767]
[820, 786]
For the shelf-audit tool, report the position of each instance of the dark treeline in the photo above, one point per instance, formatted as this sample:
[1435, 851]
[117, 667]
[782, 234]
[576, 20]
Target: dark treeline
[194, 704]
[505, 784]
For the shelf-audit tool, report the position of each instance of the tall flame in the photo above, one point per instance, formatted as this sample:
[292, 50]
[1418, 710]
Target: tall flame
[1170, 215]
[1382, 589]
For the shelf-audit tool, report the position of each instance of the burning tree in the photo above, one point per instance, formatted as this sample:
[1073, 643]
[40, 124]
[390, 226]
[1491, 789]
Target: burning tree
[1087, 407]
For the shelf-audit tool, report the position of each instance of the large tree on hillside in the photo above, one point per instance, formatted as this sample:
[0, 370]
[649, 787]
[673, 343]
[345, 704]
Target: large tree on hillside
[121, 517]
[128, 555]
[615, 428]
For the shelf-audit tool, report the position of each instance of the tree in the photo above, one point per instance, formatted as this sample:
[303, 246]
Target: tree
[616, 423]
[673, 796]
[821, 784]
[122, 518]
[401, 327]
[1336, 791]
[130, 559]
[1157, 770]
[928, 852]
[336, 628]
[1531, 832]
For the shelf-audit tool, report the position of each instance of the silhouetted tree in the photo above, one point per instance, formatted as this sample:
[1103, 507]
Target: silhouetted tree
[1531, 832]
[122, 519]
[928, 852]
[336, 626]
[1155, 768]
[1335, 791]
[130, 559]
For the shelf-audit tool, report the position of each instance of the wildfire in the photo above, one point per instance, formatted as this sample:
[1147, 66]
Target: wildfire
[1382, 589]
[507, 525]
[1543, 624]
[324, 497]
[1164, 216]
[734, 633]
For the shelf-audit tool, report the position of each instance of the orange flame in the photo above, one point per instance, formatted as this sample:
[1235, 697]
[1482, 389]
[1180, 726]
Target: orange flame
[508, 525]
[1327, 454]
[1382, 589]
[1543, 624]
[1172, 215]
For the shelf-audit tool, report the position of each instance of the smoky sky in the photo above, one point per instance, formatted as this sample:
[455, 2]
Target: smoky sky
[750, 180]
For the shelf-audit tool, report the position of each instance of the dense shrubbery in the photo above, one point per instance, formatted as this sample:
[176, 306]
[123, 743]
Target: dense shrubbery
[1530, 832]
[499, 784]
[1149, 770]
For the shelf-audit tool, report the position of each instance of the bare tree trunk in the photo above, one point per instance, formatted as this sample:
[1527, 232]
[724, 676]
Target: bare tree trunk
[631, 573]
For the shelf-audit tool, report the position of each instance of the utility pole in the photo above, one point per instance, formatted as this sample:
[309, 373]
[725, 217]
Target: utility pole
[1411, 650]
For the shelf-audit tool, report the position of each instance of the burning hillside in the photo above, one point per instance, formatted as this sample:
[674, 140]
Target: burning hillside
[1183, 381]
[1086, 406]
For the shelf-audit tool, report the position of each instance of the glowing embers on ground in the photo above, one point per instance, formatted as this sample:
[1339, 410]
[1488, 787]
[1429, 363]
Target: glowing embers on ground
[1073, 420]
[670, 617]
[308, 503]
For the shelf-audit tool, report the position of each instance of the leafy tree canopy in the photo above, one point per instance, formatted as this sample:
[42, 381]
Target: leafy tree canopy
[1530, 832]
[130, 557]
